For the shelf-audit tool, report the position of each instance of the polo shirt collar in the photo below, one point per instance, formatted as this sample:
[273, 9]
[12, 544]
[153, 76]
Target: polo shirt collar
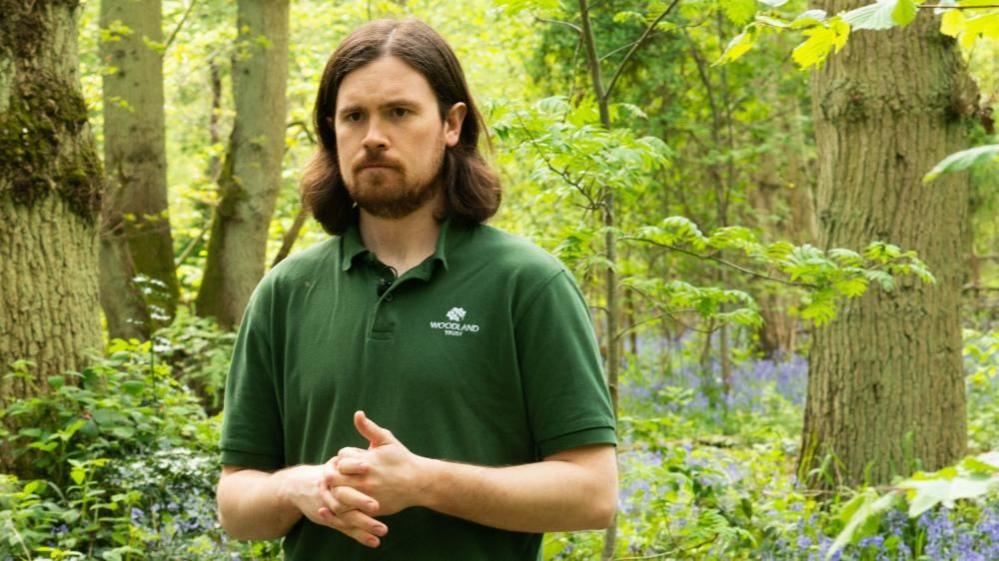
[351, 245]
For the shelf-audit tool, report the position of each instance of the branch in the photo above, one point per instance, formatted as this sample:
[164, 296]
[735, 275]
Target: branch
[305, 128]
[641, 40]
[721, 261]
[947, 7]
[180, 24]
[573, 26]
[665, 313]
[561, 173]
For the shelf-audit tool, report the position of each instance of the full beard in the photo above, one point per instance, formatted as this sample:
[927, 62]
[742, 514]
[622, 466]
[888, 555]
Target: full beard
[384, 194]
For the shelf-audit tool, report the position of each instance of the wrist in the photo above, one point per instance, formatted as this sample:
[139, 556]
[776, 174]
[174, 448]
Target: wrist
[428, 473]
[281, 487]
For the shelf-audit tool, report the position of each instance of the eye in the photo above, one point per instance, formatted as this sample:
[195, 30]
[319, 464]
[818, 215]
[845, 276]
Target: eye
[400, 111]
[353, 117]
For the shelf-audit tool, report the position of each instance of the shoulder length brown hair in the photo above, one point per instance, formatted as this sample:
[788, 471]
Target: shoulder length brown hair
[471, 189]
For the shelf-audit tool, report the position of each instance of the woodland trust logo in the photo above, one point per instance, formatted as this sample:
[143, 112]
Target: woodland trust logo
[454, 327]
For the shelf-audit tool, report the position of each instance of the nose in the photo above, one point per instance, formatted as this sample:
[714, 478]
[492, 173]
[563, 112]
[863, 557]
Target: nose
[375, 139]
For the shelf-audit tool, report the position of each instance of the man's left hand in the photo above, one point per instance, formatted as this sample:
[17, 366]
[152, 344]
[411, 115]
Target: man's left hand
[387, 471]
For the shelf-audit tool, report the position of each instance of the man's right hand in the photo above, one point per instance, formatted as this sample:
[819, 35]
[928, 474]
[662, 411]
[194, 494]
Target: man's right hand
[342, 508]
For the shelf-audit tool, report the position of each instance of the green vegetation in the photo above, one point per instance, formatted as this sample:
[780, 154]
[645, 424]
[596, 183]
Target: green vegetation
[690, 198]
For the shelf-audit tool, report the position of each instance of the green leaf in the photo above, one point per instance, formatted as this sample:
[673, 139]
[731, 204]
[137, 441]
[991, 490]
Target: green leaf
[952, 23]
[851, 287]
[123, 432]
[904, 13]
[77, 474]
[928, 493]
[133, 387]
[739, 11]
[518, 5]
[808, 18]
[821, 40]
[771, 21]
[738, 46]
[845, 257]
[963, 160]
[57, 381]
[857, 512]
[975, 465]
[879, 15]
[820, 309]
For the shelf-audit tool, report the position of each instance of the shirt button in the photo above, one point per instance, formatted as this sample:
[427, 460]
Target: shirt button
[388, 297]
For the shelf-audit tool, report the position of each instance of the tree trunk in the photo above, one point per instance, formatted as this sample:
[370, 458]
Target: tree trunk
[135, 237]
[50, 189]
[886, 388]
[251, 174]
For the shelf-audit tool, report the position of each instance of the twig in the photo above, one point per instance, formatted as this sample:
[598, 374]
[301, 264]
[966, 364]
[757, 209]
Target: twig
[305, 128]
[561, 173]
[290, 236]
[195, 242]
[949, 7]
[671, 552]
[180, 24]
[573, 26]
[645, 35]
[668, 313]
[721, 261]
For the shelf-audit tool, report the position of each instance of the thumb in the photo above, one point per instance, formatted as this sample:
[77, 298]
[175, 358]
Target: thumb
[375, 434]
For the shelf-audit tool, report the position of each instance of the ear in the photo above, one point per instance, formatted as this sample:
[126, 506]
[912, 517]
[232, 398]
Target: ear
[452, 123]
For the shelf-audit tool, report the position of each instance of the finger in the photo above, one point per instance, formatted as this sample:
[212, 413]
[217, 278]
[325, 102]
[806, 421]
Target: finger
[354, 466]
[331, 473]
[357, 525]
[349, 498]
[334, 478]
[375, 434]
[350, 451]
[362, 522]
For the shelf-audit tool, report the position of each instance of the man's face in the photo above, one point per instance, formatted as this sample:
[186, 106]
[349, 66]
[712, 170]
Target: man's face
[390, 138]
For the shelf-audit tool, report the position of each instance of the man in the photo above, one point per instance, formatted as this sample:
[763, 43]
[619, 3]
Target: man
[473, 346]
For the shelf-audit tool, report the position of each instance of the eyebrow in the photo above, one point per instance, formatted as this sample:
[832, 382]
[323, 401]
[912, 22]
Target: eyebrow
[390, 103]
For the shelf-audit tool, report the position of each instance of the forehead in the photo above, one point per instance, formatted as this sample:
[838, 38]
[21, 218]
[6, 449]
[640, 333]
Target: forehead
[383, 79]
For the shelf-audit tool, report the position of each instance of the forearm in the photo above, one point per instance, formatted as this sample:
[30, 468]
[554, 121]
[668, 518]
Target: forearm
[252, 506]
[548, 496]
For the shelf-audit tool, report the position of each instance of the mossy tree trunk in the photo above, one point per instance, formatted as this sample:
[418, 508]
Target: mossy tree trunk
[886, 389]
[135, 234]
[251, 174]
[50, 189]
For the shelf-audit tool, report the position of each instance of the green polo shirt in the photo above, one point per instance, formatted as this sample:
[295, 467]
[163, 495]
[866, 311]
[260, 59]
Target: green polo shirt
[482, 354]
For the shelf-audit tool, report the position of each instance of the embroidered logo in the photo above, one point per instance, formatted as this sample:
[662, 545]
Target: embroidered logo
[454, 327]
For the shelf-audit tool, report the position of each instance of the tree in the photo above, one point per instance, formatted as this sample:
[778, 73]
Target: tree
[50, 189]
[251, 174]
[135, 234]
[886, 388]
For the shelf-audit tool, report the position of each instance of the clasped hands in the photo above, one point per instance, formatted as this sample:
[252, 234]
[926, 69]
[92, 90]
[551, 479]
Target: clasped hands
[356, 485]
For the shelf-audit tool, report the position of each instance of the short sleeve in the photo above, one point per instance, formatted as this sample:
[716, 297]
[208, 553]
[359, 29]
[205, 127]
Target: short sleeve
[252, 434]
[567, 398]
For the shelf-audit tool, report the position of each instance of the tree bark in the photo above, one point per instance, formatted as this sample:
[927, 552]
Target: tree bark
[251, 174]
[886, 388]
[50, 189]
[135, 237]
